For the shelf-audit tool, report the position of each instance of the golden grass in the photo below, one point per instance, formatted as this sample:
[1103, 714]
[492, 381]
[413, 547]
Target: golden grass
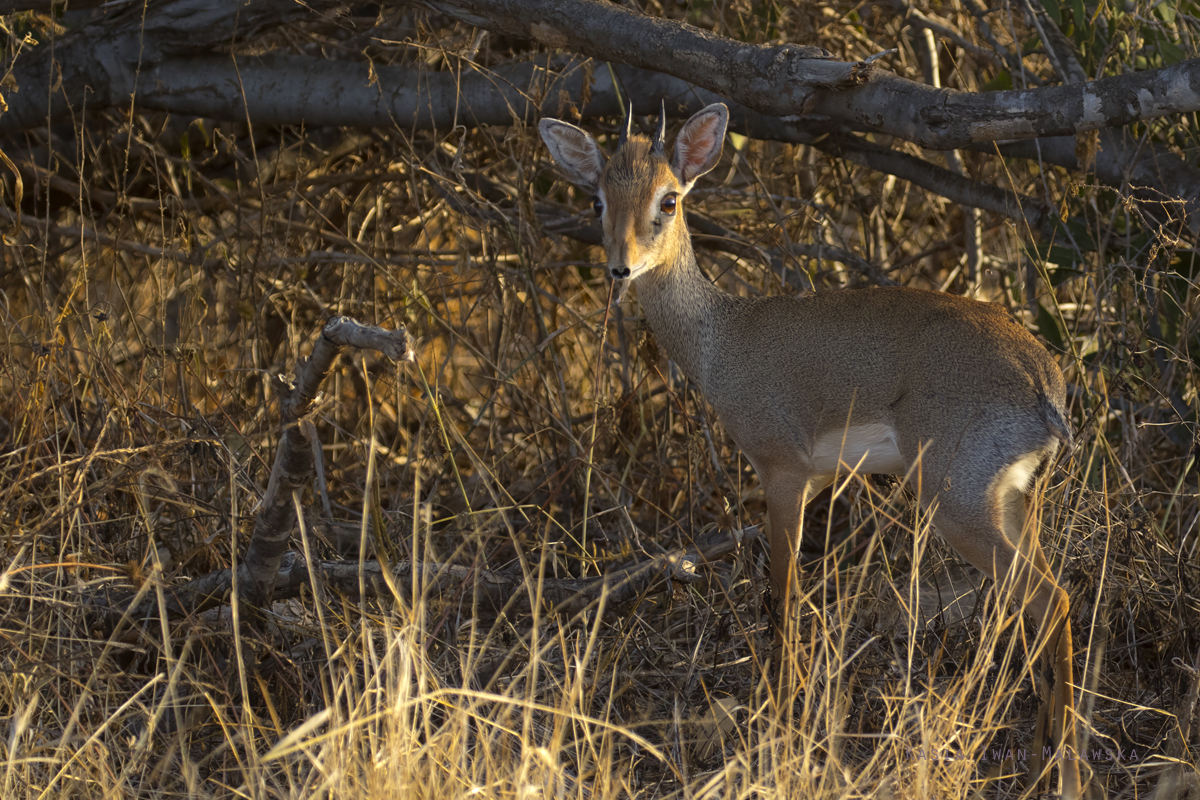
[137, 429]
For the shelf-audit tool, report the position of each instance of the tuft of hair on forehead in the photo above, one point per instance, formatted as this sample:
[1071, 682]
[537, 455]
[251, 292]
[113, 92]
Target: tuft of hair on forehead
[635, 162]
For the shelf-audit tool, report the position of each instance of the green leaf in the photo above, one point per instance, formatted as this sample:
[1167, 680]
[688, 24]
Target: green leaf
[1052, 8]
[999, 83]
[1081, 18]
[199, 125]
[1047, 325]
[1171, 53]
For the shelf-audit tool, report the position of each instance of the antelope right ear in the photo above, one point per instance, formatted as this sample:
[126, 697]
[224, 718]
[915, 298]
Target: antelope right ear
[575, 152]
[699, 144]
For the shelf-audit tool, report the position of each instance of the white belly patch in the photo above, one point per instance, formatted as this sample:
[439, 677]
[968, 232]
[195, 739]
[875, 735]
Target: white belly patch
[1020, 475]
[865, 448]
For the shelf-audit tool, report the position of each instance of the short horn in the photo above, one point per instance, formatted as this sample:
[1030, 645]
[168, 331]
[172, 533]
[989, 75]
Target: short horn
[659, 144]
[627, 131]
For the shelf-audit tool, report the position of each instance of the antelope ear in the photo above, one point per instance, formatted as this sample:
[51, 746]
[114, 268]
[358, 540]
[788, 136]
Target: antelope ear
[698, 146]
[575, 152]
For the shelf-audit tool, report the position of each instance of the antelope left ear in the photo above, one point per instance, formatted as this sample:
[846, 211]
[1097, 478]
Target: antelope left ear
[699, 144]
[575, 152]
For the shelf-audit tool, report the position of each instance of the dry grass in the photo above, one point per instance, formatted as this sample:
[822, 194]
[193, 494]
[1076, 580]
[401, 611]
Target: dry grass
[137, 430]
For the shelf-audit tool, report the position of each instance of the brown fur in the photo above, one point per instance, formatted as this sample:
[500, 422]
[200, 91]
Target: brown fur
[892, 375]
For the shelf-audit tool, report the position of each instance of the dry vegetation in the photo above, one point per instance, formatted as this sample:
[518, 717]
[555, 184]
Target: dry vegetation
[169, 266]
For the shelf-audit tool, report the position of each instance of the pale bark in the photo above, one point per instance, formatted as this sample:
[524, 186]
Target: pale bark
[97, 65]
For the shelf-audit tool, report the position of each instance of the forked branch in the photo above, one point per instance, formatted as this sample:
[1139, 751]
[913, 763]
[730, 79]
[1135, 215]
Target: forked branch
[294, 464]
[789, 80]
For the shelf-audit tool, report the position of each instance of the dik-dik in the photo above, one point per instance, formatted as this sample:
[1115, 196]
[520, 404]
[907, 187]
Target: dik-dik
[950, 391]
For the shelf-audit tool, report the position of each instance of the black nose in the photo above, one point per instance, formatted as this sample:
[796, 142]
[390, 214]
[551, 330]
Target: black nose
[620, 272]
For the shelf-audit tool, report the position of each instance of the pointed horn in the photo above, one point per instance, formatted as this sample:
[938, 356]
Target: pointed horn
[628, 130]
[658, 145]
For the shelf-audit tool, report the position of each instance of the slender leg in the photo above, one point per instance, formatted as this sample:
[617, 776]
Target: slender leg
[1050, 606]
[785, 511]
[995, 542]
[979, 482]
[787, 494]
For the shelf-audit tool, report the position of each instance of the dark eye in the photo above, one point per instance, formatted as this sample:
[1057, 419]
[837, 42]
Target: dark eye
[668, 205]
[597, 206]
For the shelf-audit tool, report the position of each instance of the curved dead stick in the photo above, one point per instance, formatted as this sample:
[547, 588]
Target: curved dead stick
[497, 590]
[293, 466]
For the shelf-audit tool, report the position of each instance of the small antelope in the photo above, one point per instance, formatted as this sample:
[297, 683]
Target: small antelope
[883, 380]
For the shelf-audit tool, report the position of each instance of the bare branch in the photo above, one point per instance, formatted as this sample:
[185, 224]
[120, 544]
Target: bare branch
[942, 181]
[99, 63]
[1016, 65]
[1059, 49]
[496, 590]
[708, 233]
[278, 89]
[1152, 170]
[30, 224]
[294, 459]
[939, 27]
[282, 89]
[785, 80]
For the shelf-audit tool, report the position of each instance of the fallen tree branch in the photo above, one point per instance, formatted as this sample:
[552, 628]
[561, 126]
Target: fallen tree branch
[156, 58]
[270, 571]
[293, 465]
[281, 89]
[787, 80]
[277, 89]
[941, 181]
[99, 64]
[497, 591]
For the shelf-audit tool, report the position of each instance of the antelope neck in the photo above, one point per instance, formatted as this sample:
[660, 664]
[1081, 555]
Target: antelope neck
[684, 309]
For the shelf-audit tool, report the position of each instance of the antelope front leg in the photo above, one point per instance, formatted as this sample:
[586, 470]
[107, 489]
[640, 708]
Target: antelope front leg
[787, 494]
